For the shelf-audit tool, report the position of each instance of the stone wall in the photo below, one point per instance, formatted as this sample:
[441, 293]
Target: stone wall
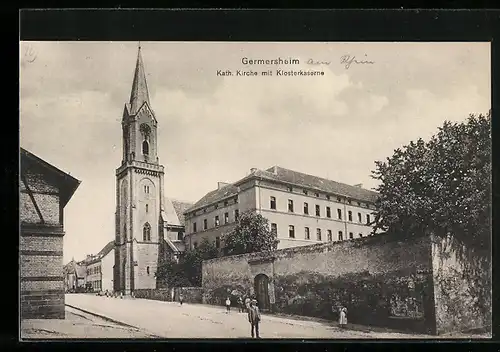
[458, 282]
[380, 279]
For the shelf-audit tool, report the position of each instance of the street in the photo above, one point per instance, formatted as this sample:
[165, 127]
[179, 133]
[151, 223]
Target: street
[170, 320]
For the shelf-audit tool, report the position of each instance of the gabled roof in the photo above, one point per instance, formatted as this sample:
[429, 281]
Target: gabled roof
[102, 253]
[180, 207]
[282, 175]
[67, 183]
[214, 196]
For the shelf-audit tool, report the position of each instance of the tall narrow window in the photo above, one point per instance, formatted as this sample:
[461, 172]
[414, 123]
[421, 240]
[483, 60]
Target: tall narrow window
[274, 229]
[318, 234]
[147, 270]
[205, 224]
[226, 218]
[328, 212]
[291, 231]
[359, 217]
[329, 235]
[146, 232]
[273, 203]
[367, 219]
[351, 235]
[217, 223]
[318, 210]
[307, 235]
[339, 214]
[217, 242]
[147, 208]
[194, 227]
[180, 236]
[236, 215]
[145, 148]
[306, 208]
[341, 237]
[349, 214]
[290, 206]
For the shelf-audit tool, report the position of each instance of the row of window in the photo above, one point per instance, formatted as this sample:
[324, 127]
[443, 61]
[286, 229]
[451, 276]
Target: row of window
[216, 206]
[272, 205]
[328, 197]
[217, 220]
[96, 285]
[307, 233]
[94, 270]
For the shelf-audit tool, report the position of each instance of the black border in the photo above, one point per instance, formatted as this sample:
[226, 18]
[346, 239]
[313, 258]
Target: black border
[260, 25]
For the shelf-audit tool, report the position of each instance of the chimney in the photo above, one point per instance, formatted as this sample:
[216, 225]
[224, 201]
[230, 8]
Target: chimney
[252, 170]
[360, 185]
[221, 184]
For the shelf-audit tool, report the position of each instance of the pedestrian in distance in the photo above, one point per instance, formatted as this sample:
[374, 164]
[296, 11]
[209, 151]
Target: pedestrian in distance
[343, 317]
[254, 318]
[181, 299]
[247, 303]
[228, 305]
[240, 305]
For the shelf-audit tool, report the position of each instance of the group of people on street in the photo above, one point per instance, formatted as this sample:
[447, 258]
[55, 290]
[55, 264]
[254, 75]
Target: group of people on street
[251, 307]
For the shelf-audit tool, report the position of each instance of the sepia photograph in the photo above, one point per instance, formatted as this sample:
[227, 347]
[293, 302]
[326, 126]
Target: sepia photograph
[255, 190]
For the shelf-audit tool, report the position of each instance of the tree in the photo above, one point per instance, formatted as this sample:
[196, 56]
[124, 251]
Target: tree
[187, 272]
[443, 187]
[251, 234]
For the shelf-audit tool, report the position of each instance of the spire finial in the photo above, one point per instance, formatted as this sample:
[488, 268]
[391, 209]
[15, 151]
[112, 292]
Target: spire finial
[139, 45]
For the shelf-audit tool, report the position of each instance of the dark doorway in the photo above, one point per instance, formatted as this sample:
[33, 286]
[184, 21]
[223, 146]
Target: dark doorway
[261, 285]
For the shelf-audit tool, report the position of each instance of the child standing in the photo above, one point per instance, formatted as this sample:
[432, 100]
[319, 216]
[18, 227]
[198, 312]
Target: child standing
[228, 305]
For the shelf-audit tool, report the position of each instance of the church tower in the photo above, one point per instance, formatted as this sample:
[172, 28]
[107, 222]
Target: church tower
[139, 193]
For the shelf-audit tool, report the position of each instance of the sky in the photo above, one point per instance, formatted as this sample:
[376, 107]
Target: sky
[213, 128]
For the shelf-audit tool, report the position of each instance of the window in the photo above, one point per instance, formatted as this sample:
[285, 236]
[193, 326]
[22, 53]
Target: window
[305, 192]
[348, 201]
[195, 245]
[291, 231]
[368, 219]
[146, 189]
[146, 232]
[290, 189]
[217, 242]
[360, 235]
[145, 148]
[327, 197]
[339, 214]
[359, 217]
[316, 194]
[236, 214]
[328, 212]
[350, 215]
[351, 235]
[306, 208]
[205, 224]
[194, 227]
[273, 203]
[147, 208]
[307, 235]
[226, 218]
[317, 210]
[329, 235]
[318, 234]
[147, 269]
[274, 229]
[340, 236]
[290, 206]
[217, 223]
[225, 203]
[339, 199]
[216, 206]
[180, 236]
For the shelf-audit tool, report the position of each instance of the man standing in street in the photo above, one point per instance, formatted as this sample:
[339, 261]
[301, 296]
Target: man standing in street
[254, 318]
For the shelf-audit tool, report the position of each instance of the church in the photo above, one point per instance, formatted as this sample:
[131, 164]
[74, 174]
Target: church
[148, 225]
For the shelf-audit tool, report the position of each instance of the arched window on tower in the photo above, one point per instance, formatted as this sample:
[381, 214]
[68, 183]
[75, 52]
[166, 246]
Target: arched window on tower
[146, 232]
[145, 148]
[147, 208]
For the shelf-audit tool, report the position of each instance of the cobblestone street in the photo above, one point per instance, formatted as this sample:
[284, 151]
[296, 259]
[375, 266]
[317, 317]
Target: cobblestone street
[170, 320]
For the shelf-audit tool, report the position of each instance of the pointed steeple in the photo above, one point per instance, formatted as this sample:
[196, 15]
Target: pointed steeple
[139, 93]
